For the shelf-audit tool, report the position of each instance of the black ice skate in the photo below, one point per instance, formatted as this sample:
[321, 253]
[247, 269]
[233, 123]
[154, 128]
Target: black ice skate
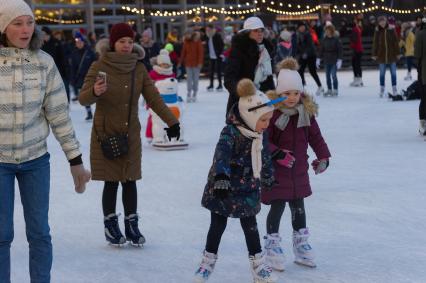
[112, 230]
[133, 235]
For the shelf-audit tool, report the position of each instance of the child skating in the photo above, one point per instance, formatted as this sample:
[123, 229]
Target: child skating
[292, 128]
[241, 165]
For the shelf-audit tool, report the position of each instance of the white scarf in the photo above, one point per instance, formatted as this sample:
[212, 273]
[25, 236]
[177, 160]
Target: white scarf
[264, 68]
[163, 71]
[256, 149]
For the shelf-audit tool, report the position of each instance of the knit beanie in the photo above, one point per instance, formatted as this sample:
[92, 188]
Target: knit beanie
[163, 57]
[285, 35]
[10, 10]
[119, 31]
[147, 33]
[251, 97]
[288, 76]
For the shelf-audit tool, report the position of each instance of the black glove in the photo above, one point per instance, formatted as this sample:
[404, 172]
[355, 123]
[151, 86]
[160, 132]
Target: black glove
[221, 187]
[278, 154]
[173, 131]
[268, 183]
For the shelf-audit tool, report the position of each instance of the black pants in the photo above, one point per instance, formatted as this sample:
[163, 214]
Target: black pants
[298, 217]
[311, 63]
[129, 197]
[218, 225]
[216, 66]
[356, 64]
[422, 105]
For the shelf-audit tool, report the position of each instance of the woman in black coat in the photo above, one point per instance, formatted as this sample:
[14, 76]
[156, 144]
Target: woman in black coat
[245, 59]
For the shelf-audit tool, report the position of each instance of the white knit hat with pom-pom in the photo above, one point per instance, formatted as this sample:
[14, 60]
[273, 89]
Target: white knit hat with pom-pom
[288, 76]
[10, 10]
[164, 57]
[251, 97]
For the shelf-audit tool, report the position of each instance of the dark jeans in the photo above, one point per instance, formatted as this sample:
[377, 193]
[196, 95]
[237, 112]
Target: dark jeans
[216, 66]
[331, 74]
[129, 197]
[382, 69]
[218, 225]
[410, 62]
[356, 64]
[298, 216]
[311, 63]
[34, 187]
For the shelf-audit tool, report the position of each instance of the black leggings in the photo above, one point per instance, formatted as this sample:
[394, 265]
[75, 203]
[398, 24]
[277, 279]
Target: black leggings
[129, 197]
[218, 225]
[311, 63]
[298, 216]
[356, 64]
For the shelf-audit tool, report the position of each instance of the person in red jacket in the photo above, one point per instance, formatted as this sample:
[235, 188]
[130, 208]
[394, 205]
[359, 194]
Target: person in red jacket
[357, 48]
[292, 129]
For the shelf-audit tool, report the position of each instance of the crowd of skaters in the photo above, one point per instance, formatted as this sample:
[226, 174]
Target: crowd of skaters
[243, 172]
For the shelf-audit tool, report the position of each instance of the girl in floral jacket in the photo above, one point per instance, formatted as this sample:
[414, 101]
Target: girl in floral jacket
[241, 165]
[293, 127]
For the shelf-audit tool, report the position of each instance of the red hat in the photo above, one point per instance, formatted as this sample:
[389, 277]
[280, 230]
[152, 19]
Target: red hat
[119, 31]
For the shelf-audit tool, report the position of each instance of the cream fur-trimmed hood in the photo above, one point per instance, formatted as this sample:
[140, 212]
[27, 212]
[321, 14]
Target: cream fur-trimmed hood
[307, 100]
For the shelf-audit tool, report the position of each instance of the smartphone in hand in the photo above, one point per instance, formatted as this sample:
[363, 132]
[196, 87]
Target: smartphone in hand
[101, 76]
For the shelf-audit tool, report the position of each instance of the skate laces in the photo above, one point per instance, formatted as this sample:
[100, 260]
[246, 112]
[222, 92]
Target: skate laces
[133, 223]
[111, 223]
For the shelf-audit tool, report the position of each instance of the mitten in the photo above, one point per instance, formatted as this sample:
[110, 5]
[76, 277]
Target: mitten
[283, 157]
[339, 64]
[173, 131]
[80, 176]
[221, 187]
[320, 166]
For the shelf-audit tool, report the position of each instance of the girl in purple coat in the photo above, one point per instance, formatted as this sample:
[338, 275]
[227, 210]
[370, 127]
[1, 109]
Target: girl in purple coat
[292, 128]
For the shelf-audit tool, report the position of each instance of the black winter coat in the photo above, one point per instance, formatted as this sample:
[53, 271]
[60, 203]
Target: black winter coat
[242, 63]
[218, 44]
[54, 48]
[330, 50]
[305, 46]
[81, 60]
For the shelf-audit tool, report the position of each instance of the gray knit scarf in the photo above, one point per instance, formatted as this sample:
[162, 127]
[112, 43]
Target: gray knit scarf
[303, 121]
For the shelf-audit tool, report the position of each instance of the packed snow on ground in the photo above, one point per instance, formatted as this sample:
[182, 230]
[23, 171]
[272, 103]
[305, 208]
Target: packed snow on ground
[366, 214]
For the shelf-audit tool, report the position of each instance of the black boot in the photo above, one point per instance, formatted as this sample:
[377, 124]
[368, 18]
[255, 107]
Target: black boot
[133, 235]
[112, 230]
[89, 116]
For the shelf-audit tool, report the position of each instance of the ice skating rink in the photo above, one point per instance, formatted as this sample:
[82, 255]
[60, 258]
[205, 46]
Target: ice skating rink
[366, 215]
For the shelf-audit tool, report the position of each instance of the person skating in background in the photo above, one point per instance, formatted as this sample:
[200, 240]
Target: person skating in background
[117, 106]
[250, 58]
[306, 56]
[241, 165]
[292, 129]
[407, 44]
[151, 48]
[215, 47]
[385, 51]
[331, 52]
[161, 69]
[357, 49]
[81, 59]
[284, 47]
[32, 101]
[192, 57]
[420, 54]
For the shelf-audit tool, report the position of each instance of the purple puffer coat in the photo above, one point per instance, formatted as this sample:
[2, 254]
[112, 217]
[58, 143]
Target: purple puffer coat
[293, 183]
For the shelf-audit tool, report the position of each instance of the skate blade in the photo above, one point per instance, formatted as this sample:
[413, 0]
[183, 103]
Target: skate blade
[170, 146]
[136, 245]
[116, 245]
[305, 263]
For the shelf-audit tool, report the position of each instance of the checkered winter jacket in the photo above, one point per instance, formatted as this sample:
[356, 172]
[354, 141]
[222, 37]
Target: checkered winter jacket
[32, 98]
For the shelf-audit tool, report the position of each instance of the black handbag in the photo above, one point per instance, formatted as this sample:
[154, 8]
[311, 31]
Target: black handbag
[115, 146]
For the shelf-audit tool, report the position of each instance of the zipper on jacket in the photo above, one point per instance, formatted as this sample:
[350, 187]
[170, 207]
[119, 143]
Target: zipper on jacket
[294, 164]
[386, 47]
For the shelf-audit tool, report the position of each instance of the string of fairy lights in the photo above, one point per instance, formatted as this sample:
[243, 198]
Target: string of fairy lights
[257, 6]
